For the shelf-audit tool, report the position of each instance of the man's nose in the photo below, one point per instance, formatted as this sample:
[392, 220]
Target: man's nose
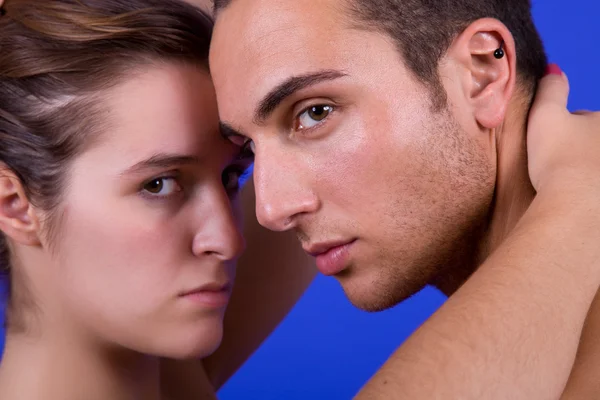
[282, 193]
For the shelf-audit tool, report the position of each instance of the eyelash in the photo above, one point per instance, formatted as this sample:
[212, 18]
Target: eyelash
[247, 153]
[296, 126]
[157, 197]
[243, 175]
[242, 172]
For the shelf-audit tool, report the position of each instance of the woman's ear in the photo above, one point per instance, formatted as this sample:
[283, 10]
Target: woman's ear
[18, 218]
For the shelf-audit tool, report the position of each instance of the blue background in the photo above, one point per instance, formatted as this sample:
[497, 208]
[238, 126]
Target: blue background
[326, 349]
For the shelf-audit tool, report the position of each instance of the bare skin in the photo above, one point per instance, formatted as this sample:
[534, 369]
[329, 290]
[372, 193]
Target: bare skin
[581, 384]
[584, 382]
[512, 202]
[452, 352]
[157, 236]
[269, 282]
[515, 195]
[174, 377]
[177, 240]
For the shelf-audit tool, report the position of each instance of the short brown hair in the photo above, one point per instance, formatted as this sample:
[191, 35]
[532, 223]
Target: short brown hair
[56, 59]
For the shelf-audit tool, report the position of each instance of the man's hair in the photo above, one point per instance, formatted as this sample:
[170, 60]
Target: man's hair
[57, 59]
[424, 30]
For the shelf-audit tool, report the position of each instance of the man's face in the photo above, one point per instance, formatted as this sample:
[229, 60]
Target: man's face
[349, 152]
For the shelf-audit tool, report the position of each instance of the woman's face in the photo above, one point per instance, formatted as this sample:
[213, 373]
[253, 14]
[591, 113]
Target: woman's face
[147, 240]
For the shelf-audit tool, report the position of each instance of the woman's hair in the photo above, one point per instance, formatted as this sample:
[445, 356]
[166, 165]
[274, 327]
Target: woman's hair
[57, 59]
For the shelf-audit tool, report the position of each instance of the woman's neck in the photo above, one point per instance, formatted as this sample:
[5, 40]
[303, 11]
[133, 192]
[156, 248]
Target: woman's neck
[58, 367]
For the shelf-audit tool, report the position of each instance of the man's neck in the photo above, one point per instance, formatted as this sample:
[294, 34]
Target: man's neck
[513, 195]
[514, 192]
[53, 367]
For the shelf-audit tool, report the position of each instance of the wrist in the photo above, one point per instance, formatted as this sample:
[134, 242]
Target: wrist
[572, 195]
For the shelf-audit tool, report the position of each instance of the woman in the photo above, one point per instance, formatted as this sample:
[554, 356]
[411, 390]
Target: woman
[117, 192]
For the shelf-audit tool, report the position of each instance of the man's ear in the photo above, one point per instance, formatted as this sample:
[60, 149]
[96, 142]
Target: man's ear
[486, 56]
[18, 218]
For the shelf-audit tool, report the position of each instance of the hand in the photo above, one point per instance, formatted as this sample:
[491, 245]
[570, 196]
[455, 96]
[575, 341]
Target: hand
[563, 147]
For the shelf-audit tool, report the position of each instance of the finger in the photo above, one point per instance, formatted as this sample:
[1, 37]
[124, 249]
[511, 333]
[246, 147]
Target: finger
[553, 89]
[582, 112]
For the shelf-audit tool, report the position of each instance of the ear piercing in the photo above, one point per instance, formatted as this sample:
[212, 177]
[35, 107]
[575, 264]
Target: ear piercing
[499, 53]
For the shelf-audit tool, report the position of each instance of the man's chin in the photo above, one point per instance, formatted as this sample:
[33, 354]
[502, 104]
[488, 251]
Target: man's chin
[379, 294]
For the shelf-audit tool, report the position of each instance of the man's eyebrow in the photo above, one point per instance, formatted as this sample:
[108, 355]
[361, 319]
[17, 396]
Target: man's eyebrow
[290, 86]
[162, 160]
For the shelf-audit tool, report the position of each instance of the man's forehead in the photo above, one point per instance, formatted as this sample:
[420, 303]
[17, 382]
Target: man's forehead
[264, 30]
[253, 52]
[261, 13]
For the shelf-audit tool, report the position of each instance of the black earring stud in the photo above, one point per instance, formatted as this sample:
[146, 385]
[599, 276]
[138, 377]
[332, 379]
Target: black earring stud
[499, 53]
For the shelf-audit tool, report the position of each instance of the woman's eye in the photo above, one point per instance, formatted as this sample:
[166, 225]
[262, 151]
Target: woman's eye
[234, 178]
[312, 116]
[248, 150]
[162, 187]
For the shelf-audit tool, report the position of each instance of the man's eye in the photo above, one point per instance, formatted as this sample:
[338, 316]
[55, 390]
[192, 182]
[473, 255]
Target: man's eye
[162, 187]
[312, 116]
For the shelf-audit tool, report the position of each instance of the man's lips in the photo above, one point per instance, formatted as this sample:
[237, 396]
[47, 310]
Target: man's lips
[331, 257]
[318, 249]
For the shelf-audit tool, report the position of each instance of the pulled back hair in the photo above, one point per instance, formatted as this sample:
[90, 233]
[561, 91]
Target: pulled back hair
[57, 58]
[423, 30]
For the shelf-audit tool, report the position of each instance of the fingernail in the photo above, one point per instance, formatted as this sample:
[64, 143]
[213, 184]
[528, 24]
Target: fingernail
[553, 69]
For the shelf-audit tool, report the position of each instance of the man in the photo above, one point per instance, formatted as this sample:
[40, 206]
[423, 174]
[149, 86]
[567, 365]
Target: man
[390, 136]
